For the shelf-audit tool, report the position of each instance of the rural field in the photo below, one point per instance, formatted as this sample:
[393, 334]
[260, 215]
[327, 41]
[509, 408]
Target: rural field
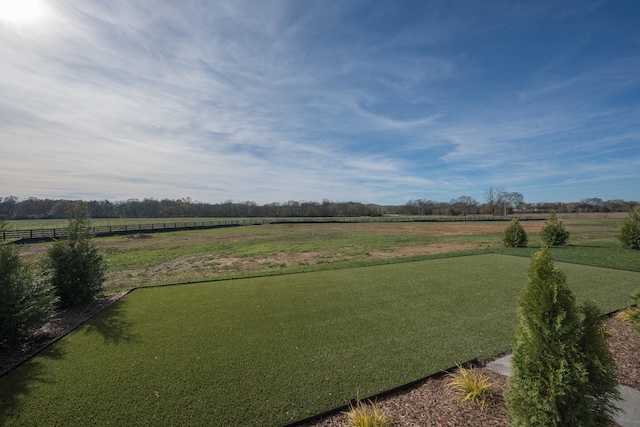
[362, 309]
[178, 257]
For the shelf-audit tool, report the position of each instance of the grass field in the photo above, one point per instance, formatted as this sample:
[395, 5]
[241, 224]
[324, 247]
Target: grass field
[267, 351]
[272, 249]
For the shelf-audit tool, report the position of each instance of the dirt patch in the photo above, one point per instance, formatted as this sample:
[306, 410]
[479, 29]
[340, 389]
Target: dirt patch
[437, 248]
[204, 267]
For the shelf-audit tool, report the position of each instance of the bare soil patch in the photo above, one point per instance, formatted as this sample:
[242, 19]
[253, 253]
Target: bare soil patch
[204, 267]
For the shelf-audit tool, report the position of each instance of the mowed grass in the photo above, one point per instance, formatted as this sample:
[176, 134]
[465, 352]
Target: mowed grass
[268, 351]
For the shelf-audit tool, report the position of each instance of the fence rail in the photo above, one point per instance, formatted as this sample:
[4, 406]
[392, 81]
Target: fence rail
[43, 234]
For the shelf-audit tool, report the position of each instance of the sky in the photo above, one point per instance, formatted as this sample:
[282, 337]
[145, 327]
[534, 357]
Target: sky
[310, 100]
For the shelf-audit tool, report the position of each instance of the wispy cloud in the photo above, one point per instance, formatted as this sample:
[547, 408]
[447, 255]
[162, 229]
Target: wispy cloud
[273, 101]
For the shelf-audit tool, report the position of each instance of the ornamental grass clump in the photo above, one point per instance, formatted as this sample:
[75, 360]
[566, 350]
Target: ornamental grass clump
[470, 385]
[514, 235]
[632, 313]
[629, 235]
[367, 415]
[554, 233]
[562, 371]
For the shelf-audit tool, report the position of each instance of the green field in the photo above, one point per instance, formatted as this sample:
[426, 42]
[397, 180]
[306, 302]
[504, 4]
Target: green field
[268, 351]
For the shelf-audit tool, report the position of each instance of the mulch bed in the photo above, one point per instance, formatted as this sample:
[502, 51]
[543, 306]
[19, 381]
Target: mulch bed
[426, 404]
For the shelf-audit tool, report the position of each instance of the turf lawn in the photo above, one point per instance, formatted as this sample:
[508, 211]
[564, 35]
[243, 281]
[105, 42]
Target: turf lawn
[268, 351]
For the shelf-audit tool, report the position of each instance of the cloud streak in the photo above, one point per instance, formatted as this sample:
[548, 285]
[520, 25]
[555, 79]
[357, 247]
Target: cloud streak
[274, 101]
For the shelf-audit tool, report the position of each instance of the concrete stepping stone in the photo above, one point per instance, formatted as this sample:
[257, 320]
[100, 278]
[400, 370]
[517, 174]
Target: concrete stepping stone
[628, 406]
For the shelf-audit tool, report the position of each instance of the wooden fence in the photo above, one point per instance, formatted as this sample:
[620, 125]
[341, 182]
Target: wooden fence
[43, 234]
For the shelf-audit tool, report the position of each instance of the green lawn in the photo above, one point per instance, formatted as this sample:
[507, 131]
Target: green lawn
[268, 351]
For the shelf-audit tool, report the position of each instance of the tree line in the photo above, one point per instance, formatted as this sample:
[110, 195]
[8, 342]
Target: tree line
[497, 201]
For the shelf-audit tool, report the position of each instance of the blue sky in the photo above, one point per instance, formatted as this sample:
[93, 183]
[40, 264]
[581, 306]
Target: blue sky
[371, 101]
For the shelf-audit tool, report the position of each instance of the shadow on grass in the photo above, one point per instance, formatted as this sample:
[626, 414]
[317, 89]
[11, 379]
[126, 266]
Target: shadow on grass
[16, 386]
[112, 324]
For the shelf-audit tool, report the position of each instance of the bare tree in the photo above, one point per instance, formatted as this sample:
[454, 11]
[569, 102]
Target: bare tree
[494, 197]
[499, 200]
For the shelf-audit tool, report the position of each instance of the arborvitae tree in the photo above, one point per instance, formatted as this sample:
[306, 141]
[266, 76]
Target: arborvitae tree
[562, 374]
[27, 300]
[629, 235]
[78, 270]
[554, 233]
[514, 235]
[600, 365]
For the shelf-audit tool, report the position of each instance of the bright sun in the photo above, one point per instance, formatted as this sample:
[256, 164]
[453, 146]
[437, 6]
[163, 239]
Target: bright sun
[21, 11]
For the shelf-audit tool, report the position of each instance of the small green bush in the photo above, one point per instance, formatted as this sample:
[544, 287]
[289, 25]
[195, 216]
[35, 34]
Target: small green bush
[78, 270]
[629, 235]
[554, 233]
[514, 235]
[563, 373]
[27, 300]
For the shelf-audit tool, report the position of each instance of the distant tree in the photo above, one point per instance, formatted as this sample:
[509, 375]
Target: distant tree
[554, 233]
[494, 198]
[562, 371]
[629, 235]
[512, 201]
[27, 300]
[77, 269]
[500, 201]
[515, 236]
[465, 205]
[8, 207]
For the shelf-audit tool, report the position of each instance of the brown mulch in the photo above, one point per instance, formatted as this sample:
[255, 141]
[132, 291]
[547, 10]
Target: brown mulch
[423, 405]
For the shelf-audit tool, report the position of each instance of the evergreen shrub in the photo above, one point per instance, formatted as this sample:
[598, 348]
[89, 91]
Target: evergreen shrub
[554, 233]
[78, 270]
[514, 235]
[562, 371]
[629, 235]
[27, 300]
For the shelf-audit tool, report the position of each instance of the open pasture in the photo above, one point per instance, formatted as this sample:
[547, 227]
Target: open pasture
[268, 351]
[271, 249]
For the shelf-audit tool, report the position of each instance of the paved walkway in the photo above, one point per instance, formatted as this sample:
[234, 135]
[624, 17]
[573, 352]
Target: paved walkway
[629, 405]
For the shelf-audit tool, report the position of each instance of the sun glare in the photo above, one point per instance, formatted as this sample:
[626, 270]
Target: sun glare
[21, 11]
